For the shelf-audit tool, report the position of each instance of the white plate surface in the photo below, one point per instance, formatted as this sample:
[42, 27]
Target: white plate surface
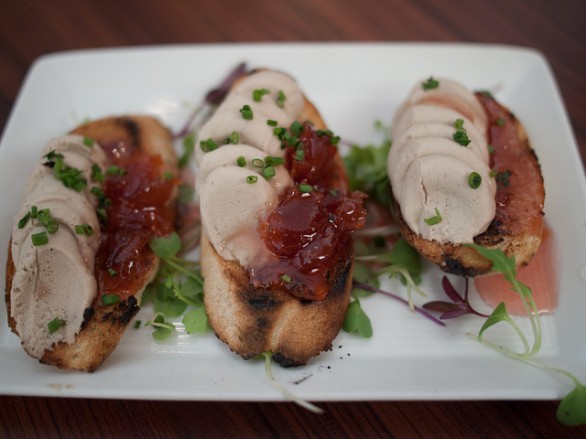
[408, 358]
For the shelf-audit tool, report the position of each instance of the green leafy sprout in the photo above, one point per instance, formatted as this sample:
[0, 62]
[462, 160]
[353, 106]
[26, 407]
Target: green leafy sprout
[177, 291]
[572, 408]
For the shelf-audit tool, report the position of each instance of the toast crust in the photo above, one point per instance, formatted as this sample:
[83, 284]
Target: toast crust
[466, 261]
[103, 327]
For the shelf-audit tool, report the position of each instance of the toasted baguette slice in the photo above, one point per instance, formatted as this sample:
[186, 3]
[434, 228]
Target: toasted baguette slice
[253, 320]
[103, 327]
[516, 231]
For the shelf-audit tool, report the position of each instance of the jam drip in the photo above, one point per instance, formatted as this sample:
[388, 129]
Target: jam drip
[309, 231]
[137, 211]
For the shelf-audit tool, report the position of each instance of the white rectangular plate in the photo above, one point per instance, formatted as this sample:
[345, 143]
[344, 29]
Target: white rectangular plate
[409, 357]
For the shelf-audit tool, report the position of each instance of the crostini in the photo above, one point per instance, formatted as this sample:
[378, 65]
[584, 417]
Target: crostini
[79, 257]
[277, 218]
[462, 171]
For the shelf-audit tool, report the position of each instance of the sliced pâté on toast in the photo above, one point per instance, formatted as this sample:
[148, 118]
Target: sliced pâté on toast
[103, 326]
[516, 233]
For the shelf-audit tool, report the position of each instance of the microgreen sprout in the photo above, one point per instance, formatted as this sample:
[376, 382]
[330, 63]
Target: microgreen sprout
[459, 305]
[356, 320]
[571, 410]
[178, 289]
[283, 391]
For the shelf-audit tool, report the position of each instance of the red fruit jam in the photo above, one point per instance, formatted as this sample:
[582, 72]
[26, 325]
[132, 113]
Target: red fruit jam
[137, 211]
[310, 230]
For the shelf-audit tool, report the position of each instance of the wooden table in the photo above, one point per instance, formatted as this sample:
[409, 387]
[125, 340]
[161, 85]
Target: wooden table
[29, 29]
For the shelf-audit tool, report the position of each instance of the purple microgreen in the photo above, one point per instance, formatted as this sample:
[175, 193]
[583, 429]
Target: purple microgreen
[458, 307]
[217, 95]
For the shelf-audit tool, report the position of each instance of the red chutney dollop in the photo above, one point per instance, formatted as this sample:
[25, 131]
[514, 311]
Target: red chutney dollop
[137, 211]
[309, 231]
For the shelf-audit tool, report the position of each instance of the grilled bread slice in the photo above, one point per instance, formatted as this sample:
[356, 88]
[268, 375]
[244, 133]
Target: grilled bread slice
[518, 222]
[103, 326]
[253, 319]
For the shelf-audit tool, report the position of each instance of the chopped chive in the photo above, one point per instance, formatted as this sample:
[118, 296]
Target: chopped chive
[116, 170]
[97, 174]
[234, 138]
[268, 172]
[241, 161]
[259, 93]
[500, 121]
[40, 238]
[102, 215]
[168, 175]
[251, 179]
[84, 229]
[34, 212]
[296, 129]
[208, 145]
[430, 84]
[490, 149]
[305, 188]
[246, 112]
[55, 324]
[258, 163]
[112, 272]
[279, 132]
[272, 123]
[110, 299]
[274, 161]
[433, 220]
[281, 98]
[137, 324]
[22, 222]
[474, 180]
[286, 278]
[88, 141]
[460, 136]
[300, 154]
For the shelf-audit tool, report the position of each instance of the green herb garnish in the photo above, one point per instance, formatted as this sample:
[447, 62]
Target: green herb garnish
[430, 84]
[356, 320]
[246, 112]
[241, 161]
[110, 299]
[40, 238]
[281, 98]
[474, 180]
[259, 93]
[208, 145]
[55, 324]
[305, 188]
[460, 136]
[251, 179]
[433, 220]
[84, 229]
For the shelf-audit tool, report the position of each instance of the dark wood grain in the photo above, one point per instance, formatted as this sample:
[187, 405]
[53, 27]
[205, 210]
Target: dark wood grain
[29, 29]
